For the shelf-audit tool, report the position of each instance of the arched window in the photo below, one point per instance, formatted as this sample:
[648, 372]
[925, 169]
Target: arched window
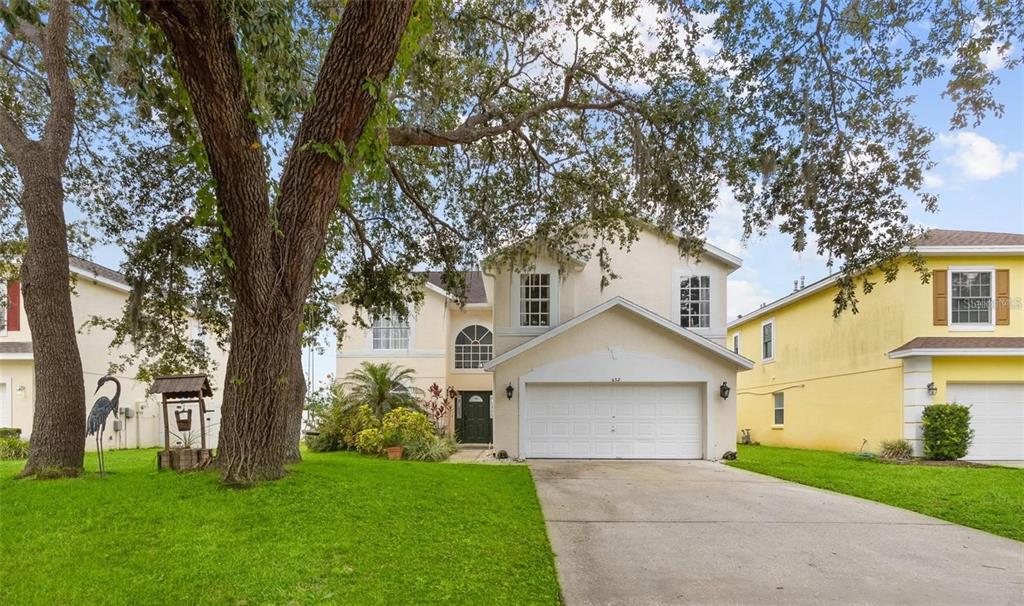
[473, 347]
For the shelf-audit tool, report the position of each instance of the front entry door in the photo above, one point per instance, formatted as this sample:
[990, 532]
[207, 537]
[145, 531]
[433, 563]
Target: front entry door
[475, 425]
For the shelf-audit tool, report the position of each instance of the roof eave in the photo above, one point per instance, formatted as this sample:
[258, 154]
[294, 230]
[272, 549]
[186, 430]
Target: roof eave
[711, 346]
[955, 351]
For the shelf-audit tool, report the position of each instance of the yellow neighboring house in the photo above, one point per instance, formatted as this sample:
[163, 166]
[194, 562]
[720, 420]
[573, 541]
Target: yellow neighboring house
[852, 381]
[98, 291]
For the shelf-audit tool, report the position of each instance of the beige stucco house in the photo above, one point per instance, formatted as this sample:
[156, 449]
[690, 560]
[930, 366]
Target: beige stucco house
[98, 291]
[638, 369]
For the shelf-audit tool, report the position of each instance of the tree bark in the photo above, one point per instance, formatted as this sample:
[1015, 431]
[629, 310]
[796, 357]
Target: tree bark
[273, 265]
[296, 403]
[57, 446]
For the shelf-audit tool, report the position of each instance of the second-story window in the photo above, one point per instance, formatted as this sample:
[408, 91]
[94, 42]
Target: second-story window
[971, 297]
[473, 347]
[768, 341]
[736, 343]
[534, 299]
[695, 302]
[390, 332]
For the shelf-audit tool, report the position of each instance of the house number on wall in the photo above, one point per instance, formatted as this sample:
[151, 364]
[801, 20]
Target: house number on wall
[616, 379]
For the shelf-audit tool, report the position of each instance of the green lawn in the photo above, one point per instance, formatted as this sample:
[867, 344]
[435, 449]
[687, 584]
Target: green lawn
[988, 498]
[341, 528]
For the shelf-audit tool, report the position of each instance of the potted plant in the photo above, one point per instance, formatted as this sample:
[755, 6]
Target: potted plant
[395, 452]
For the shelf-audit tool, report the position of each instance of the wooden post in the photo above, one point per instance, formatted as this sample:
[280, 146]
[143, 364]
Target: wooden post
[167, 427]
[202, 421]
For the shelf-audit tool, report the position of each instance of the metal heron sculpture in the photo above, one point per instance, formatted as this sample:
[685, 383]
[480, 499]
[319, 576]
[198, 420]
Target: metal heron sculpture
[97, 420]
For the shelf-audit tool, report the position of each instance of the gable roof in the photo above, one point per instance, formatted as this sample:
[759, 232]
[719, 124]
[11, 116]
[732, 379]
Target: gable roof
[959, 237]
[182, 386]
[960, 346]
[98, 273]
[643, 312]
[476, 293]
[934, 242]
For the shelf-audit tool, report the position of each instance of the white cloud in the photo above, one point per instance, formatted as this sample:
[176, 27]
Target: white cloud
[993, 59]
[745, 296]
[979, 158]
[933, 181]
[725, 230]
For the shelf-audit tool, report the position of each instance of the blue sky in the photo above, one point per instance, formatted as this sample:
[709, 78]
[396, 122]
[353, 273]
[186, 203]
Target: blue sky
[979, 178]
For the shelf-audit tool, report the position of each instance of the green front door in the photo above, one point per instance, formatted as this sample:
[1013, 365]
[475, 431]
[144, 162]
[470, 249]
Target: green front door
[474, 426]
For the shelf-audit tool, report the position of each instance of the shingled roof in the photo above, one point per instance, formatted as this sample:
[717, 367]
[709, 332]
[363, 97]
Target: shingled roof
[938, 344]
[96, 269]
[475, 291]
[959, 237]
[182, 386]
[16, 347]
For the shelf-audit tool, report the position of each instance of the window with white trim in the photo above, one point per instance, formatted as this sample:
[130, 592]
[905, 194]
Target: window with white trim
[736, 343]
[534, 299]
[971, 296]
[474, 346]
[390, 333]
[695, 301]
[780, 408]
[768, 341]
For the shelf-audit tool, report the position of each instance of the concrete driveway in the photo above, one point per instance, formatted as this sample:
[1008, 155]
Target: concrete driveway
[694, 532]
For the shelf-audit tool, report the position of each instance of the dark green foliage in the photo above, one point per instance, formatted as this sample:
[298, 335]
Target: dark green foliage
[947, 431]
[10, 432]
[898, 450]
[12, 448]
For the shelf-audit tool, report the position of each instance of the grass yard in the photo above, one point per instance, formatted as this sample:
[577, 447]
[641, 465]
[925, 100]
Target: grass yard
[987, 498]
[341, 529]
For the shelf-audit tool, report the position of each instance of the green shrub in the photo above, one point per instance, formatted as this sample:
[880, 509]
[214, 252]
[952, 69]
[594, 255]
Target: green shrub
[947, 431]
[13, 448]
[438, 448]
[10, 432]
[354, 421]
[407, 428]
[322, 443]
[898, 450]
[370, 442]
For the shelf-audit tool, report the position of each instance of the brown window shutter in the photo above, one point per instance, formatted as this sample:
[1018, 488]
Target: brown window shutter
[13, 306]
[1003, 297]
[940, 295]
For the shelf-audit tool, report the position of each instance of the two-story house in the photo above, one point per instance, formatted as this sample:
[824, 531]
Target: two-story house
[637, 369]
[849, 382]
[98, 291]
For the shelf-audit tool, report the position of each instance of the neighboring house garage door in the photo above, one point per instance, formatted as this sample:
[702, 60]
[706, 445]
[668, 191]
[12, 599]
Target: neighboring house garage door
[612, 421]
[997, 416]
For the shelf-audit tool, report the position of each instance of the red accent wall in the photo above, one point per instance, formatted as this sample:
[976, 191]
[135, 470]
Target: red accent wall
[14, 306]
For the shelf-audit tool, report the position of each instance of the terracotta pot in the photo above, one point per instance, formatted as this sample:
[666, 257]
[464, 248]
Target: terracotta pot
[395, 452]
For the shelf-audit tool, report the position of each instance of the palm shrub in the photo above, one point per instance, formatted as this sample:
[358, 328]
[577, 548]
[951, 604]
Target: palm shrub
[947, 431]
[383, 387]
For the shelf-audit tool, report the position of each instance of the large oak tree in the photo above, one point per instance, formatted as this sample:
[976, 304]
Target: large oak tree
[576, 122]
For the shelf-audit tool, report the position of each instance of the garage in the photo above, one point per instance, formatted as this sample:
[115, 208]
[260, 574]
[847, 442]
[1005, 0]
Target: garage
[613, 421]
[997, 417]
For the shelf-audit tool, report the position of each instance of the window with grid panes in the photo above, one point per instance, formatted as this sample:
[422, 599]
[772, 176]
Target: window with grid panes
[534, 299]
[695, 302]
[473, 347]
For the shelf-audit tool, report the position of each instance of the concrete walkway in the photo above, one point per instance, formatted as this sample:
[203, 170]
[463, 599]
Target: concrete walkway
[694, 532]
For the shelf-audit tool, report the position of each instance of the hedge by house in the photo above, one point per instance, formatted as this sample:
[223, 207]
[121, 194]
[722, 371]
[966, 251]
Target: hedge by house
[947, 431]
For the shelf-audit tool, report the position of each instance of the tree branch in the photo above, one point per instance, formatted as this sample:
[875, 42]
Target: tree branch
[59, 126]
[14, 140]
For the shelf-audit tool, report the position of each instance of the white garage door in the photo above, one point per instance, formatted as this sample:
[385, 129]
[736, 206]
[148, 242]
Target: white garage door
[612, 421]
[997, 416]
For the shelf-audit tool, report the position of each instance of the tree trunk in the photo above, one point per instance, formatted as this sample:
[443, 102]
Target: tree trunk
[273, 253]
[57, 445]
[296, 402]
